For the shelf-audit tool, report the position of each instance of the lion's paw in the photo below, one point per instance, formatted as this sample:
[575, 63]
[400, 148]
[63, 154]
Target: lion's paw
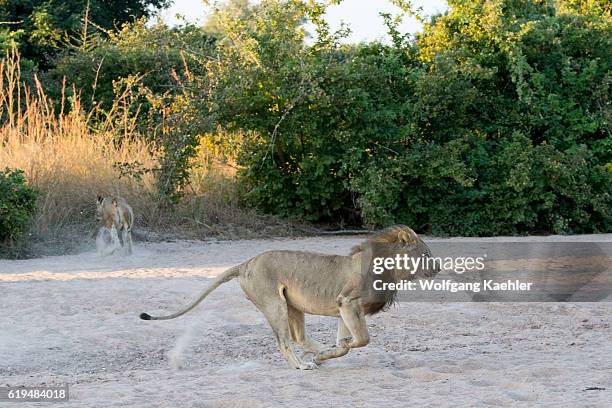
[307, 366]
[345, 342]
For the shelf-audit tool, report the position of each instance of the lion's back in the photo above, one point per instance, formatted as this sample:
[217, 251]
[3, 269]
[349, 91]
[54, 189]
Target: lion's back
[311, 281]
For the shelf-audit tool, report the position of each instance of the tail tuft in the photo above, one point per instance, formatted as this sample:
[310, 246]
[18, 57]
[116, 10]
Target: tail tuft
[145, 316]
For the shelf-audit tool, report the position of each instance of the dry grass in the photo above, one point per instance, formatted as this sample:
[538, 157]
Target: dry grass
[69, 162]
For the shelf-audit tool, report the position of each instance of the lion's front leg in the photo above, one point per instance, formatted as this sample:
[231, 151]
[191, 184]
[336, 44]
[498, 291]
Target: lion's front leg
[338, 350]
[343, 331]
[126, 238]
[116, 244]
[352, 321]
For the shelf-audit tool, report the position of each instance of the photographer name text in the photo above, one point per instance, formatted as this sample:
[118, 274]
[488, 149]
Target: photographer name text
[452, 286]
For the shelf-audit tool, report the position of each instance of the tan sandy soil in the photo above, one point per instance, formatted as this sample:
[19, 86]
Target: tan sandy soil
[74, 319]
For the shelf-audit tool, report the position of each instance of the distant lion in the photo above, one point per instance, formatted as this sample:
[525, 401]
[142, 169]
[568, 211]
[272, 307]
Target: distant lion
[284, 285]
[117, 217]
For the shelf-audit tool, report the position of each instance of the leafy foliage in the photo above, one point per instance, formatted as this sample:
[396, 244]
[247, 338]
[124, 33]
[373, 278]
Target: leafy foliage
[162, 56]
[48, 25]
[496, 120]
[17, 206]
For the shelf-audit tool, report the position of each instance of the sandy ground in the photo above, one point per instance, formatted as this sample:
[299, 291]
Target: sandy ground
[74, 319]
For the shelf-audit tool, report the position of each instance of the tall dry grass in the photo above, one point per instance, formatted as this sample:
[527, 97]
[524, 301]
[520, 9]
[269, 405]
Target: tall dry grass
[70, 161]
[63, 157]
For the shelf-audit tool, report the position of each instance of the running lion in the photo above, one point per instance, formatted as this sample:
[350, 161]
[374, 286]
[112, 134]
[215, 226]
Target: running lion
[284, 285]
[117, 217]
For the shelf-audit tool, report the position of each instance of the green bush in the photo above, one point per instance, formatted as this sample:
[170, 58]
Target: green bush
[160, 55]
[509, 130]
[45, 26]
[17, 207]
[496, 120]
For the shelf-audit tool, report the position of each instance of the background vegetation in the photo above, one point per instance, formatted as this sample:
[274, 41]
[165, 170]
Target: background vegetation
[17, 206]
[495, 119]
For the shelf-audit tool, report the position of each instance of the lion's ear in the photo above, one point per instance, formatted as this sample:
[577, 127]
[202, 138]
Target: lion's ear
[115, 202]
[99, 199]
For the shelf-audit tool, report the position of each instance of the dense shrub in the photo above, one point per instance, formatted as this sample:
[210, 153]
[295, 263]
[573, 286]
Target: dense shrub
[17, 207]
[496, 120]
[160, 55]
[510, 128]
[43, 27]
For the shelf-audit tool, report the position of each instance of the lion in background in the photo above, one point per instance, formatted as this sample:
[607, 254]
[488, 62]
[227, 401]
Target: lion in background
[284, 285]
[117, 217]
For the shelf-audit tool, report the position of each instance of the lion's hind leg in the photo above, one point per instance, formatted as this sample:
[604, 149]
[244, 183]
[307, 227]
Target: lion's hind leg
[276, 312]
[298, 331]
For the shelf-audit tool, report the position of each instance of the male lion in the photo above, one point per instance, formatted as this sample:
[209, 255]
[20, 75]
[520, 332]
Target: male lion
[116, 215]
[286, 284]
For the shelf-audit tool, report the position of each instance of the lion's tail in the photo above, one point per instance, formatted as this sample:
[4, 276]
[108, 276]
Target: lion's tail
[226, 276]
